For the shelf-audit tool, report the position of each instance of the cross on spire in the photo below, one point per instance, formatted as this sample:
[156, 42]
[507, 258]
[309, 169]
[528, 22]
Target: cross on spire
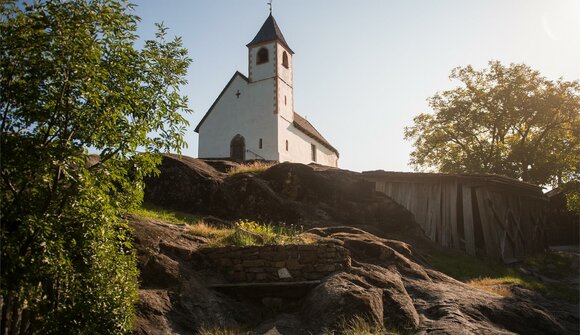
[270, 4]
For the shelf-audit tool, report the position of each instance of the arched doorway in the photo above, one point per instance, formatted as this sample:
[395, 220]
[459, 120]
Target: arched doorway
[238, 148]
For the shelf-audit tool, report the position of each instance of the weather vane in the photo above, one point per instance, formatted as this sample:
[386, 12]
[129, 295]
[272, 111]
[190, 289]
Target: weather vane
[270, 4]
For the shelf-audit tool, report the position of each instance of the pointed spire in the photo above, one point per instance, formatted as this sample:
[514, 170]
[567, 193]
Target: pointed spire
[269, 32]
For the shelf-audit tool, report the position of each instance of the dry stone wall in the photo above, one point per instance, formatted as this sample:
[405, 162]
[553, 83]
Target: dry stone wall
[275, 263]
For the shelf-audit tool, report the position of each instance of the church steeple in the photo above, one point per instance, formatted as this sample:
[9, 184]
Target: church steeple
[270, 32]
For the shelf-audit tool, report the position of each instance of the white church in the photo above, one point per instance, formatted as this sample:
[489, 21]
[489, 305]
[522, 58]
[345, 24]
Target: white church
[254, 117]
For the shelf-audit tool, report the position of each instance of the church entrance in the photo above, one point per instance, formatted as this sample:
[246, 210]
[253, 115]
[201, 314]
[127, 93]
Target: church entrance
[238, 148]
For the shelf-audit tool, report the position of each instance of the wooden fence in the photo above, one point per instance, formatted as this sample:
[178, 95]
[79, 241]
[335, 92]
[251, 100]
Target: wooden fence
[485, 215]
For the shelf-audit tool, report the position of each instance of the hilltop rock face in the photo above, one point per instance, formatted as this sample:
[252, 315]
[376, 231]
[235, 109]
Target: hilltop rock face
[387, 283]
[417, 298]
[184, 184]
[287, 192]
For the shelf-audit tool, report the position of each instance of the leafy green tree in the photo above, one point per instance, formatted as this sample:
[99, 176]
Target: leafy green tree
[506, 120]
[72, 80]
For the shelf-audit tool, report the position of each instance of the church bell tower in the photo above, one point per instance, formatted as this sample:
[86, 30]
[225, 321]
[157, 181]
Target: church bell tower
[270, 59]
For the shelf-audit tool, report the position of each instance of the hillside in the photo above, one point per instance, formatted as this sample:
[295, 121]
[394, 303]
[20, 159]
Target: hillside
[189, 286]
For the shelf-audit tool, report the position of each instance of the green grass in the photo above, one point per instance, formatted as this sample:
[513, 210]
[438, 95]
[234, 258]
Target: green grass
[552, 264]
[254, 167]
[149, 211]
[464, 267]
[254, 233]
[490, 276]
[244, 233]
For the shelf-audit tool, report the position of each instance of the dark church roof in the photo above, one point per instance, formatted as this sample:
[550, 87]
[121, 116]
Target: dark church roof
[269, 32]
[307, 128]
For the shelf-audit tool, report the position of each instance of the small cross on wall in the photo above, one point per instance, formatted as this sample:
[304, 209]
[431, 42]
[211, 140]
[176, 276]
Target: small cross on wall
[238, 94]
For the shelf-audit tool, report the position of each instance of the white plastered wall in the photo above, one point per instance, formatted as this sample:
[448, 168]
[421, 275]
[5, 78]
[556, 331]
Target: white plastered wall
[299, 146]
[265, 70]
[251, 115]
[285, 84]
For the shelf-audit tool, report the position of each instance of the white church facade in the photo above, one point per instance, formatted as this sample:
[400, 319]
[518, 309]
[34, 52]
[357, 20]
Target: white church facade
[254, 117]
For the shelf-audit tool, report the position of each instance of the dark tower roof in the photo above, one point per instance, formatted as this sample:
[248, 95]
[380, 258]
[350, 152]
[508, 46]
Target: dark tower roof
[269, 32]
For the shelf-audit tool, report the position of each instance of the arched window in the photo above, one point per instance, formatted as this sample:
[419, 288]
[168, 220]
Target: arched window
[285, 59]
[262, 56]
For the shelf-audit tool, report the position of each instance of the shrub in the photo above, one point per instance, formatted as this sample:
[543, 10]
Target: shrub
[72, 80]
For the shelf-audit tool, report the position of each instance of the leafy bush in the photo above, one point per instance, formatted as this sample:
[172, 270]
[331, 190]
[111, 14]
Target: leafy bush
[70, 80]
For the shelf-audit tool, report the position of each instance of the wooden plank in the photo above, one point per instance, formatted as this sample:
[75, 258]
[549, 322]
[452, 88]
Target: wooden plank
[488, 225]
[411, 195]
[395, 192]
[453, 215]
[420, 208]
[435, 212]
[402, 194]
[444, 209]
[468, 220]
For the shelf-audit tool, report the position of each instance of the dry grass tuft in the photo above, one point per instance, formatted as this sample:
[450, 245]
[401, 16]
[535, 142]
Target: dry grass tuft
[254, 167]
[358, 325]
[248, 233]
[495, 285]
[218, 331]
[205, 230]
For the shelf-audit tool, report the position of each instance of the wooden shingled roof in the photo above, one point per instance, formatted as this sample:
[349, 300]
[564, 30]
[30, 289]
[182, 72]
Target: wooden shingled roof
[307, 128]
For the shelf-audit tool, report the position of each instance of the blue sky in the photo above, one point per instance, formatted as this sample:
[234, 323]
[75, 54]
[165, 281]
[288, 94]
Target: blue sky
[364, 69]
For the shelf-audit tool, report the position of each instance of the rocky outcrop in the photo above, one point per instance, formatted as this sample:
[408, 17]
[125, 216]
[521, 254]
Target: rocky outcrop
[418, 298]
[184, 184]
[387, 282]
[173, 297]
[293, 193]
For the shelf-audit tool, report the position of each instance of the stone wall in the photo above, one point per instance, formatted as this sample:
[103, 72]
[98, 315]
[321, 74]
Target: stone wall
[276, 263]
